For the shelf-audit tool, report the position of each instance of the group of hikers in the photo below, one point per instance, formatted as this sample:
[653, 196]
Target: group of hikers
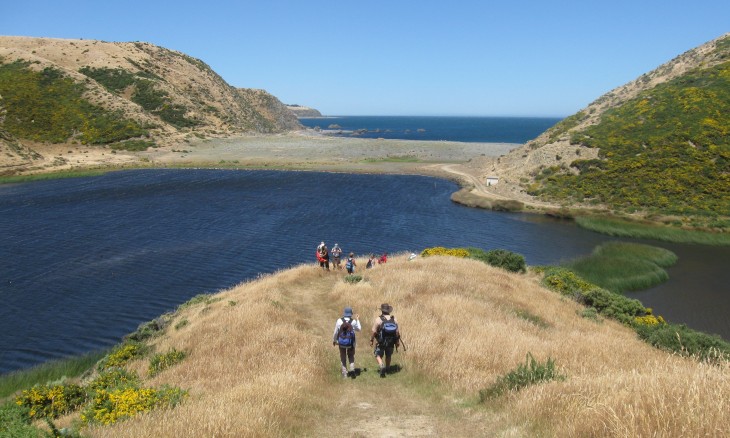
[324, 254]
[384, 335]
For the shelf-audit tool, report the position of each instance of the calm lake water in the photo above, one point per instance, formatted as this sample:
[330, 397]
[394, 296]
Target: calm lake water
[86, 260]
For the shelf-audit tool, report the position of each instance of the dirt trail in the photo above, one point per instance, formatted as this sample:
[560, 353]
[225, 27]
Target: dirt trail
[402, 404]
[480, 189]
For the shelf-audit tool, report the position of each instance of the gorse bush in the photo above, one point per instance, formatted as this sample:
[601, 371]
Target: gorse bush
[114, 378]
[122, 354]
[110, 406]
[48, 106]
[681, 339]
[500, 258]
[145, 93]
[651, 328]
[44, 401]
[667, 150]
[162, 361]
[529, 373]
[441, 251]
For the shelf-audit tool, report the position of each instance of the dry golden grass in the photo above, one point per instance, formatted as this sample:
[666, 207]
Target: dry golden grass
[266, 367]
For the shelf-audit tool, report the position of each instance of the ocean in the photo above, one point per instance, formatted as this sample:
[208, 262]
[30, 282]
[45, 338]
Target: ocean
[432, 128]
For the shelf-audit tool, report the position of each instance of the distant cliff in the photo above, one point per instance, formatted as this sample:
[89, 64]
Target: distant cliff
[100, 93]
[303, 111]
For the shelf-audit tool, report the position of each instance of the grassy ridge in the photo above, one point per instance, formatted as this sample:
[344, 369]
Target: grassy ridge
[467, 335]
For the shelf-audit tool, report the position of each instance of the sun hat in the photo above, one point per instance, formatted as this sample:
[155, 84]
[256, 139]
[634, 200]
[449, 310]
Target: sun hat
[386, 308]
[348, 311]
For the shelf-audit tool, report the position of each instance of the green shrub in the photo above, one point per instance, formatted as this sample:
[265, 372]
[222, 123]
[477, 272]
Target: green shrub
[529, 373]
[15, 422]
[48, 106]
[109, 407]
[679, 338]
[114, 378]
[44, 401]
[353, 278]
[500, 258]
[163, 361]
[613, 305]
[150, 329]
[133, 145]
[122, 354]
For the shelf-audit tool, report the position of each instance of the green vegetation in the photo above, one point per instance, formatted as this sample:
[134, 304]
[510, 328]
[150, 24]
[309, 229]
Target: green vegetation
[48, 106]
[666, 150]
[133, 145]
[122, 354]
[15, 423]
[393, 159]
[531, 372]
[653, 329]
[622, 266]
[500, 258]
[48, 372]
[55, 175]
[353, 278]
[145, 93]
[623, 228]
[163, 361]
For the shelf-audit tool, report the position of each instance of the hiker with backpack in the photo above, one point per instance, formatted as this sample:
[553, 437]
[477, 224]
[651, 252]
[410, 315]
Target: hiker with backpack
[336, 253]
[387, 335]
[344, 337]
[350, 264]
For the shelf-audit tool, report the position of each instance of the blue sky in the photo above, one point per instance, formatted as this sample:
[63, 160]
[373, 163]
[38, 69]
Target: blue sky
[400, 57]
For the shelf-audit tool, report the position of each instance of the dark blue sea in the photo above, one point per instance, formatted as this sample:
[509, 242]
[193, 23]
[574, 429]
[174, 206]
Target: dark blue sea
[467, 129]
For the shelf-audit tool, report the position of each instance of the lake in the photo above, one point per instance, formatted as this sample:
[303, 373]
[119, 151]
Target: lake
[86, 260]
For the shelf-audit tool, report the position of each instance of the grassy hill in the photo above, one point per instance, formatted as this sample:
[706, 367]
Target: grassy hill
[131, 95]
[659, 145]
[258, 361]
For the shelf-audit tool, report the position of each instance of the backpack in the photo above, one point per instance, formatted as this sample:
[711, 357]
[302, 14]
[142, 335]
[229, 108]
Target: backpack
[348, 265]
[346, 335]
[388, 334]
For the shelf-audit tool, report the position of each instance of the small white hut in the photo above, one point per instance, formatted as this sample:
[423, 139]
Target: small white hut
[492, 180]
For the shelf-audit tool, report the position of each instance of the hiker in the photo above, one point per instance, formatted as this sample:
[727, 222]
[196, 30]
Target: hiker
[383, 258]
[350, 265]
[344, 337]
[323, 256]
[336, 254]
[371, 262]
[387, 334]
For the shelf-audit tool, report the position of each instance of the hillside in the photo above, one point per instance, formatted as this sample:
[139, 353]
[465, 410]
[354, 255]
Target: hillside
[658, 145]
[128, 95]
[258, 361]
